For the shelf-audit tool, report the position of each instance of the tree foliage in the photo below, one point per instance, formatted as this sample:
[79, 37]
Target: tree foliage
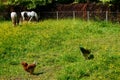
[65, 1]
[105, 1]
[84, 1]
[114, 2]
[33, 3]
[117, 2]
[28, 3]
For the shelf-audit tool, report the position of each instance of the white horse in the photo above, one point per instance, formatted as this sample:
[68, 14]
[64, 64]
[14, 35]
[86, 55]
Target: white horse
[26, 15]
[14, 18]
[23, 15]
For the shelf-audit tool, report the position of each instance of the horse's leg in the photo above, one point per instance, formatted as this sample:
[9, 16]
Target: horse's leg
[14, 21]
[30, 18]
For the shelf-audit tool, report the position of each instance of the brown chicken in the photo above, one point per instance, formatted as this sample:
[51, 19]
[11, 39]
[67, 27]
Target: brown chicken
[29, 67]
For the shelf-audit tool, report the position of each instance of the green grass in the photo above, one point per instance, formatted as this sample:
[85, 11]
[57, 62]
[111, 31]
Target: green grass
[54, 45]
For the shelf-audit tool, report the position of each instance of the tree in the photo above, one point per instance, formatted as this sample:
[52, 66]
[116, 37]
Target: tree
[33, 3]
[64, 1]
[116, 2]
[86, 1]
[105, 1]
[28, 3]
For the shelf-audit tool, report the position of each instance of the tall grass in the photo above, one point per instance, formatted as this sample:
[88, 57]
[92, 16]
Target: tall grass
[55, 47]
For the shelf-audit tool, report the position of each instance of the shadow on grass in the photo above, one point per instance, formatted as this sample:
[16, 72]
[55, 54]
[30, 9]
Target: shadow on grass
[39, 73]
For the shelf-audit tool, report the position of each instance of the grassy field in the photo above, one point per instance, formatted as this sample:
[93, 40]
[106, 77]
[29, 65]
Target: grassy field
[54, 45]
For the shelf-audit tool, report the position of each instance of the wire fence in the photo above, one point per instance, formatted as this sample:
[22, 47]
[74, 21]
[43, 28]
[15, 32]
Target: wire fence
[85, 15]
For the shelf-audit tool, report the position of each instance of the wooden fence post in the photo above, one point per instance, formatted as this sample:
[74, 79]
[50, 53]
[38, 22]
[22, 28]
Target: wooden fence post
[57, 15]
[73, 15]
[88, 15]
[106, 16]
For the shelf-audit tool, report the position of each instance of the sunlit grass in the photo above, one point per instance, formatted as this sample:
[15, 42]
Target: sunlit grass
[55, 47]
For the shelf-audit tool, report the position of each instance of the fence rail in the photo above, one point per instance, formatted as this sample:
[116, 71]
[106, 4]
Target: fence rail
[85, 15]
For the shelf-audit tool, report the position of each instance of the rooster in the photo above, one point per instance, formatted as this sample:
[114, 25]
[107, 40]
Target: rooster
[86, 53]
[29, 67]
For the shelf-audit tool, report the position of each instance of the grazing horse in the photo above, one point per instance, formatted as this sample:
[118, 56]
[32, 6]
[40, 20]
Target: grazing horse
[24, 16]
[14, 18]
[28, 16]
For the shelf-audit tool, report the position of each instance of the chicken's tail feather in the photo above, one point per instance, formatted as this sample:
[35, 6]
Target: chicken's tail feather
[35, 62]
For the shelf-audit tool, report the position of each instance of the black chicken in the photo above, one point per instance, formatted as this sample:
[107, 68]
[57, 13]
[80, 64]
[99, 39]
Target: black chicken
[86, 53]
